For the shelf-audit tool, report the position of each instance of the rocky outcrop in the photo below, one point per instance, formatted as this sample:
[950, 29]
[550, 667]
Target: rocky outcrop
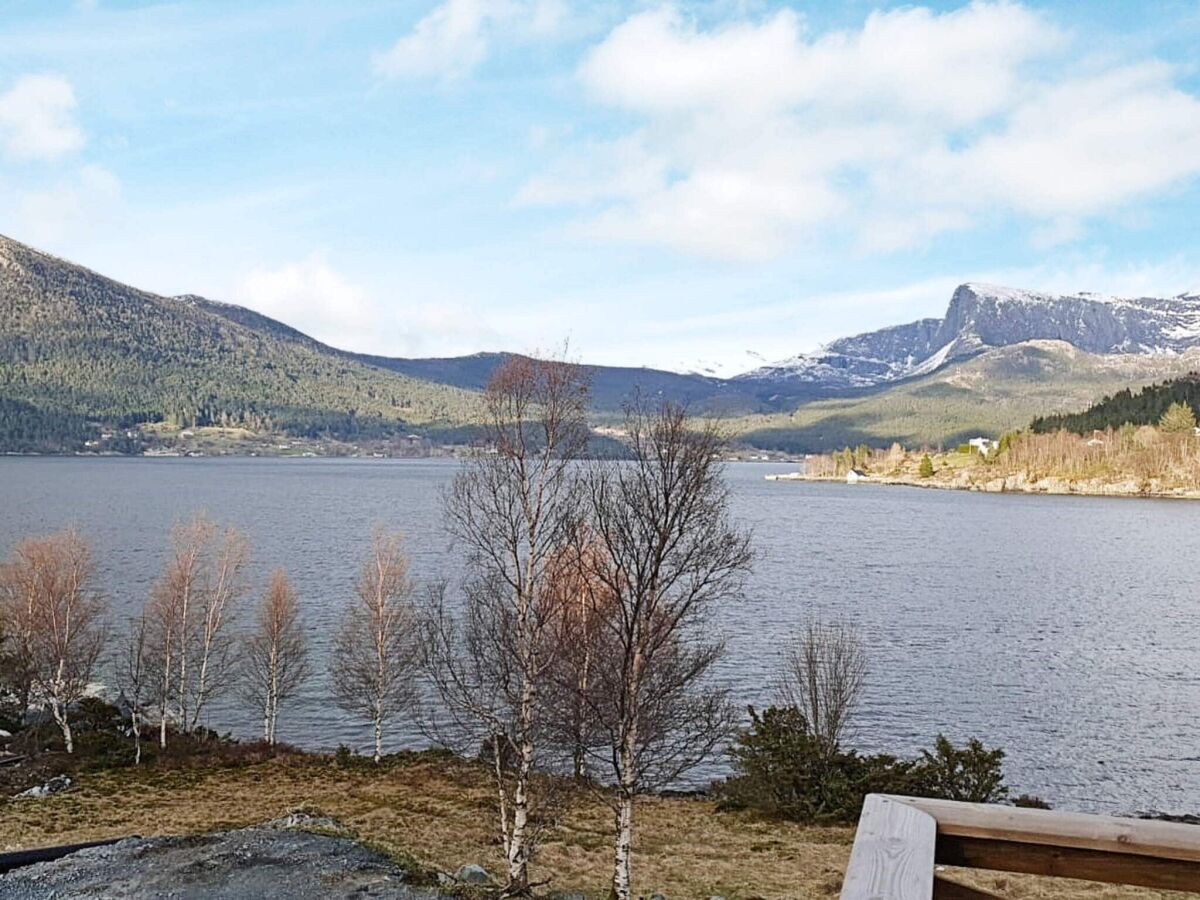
[264, 863]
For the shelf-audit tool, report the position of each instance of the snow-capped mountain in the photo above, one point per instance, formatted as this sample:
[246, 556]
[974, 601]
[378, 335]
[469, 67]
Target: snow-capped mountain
[982, 317]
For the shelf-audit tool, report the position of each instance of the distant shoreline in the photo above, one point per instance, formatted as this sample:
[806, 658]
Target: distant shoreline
[1013, 484]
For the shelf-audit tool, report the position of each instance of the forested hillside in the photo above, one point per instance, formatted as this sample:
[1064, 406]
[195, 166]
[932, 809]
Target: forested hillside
[610, 387]
[1146, 407]
[76, 347]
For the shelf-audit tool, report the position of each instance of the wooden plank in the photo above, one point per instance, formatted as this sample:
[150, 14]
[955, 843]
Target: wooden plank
[1168, 840]
[1069, 862]
[948, 889]
[893, 852]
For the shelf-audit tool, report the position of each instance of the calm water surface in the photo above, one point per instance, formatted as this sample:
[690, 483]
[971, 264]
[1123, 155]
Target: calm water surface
[1066, 630]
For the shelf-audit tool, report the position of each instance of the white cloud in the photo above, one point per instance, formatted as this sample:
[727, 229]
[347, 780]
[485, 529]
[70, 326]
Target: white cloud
[37, 119]
[68, 208]
[1089, 144]
[756, 134]
[312, 296]
[453, 39]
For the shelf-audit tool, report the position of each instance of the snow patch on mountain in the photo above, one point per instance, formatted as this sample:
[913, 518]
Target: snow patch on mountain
[981, 317]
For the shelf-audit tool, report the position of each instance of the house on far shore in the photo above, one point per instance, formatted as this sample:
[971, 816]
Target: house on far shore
[983, 445]
[854, 476]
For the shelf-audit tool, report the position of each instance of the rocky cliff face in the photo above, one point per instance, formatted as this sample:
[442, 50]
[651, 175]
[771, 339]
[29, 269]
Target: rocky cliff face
[981, 317]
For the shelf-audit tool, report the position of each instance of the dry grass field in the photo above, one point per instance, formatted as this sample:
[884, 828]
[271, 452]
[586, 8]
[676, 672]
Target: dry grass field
[437, 812]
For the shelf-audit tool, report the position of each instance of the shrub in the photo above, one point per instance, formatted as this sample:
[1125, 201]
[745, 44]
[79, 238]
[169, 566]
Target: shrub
[782, 770]
[972, 774]
[926, 470]
[91, 714]
[99, 750]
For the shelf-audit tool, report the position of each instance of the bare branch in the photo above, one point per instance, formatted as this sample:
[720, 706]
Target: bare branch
[376, 653]
[274, 654]
[58, 619]
[824, 671]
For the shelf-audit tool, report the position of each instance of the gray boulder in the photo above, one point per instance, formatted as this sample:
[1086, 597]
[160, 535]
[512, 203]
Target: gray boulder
[472, 874]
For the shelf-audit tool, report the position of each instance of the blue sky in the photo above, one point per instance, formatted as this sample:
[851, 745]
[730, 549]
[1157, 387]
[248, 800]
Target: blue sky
[678, 185]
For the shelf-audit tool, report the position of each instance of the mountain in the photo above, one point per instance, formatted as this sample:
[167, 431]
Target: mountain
[610, 386]
[983, 317]
[76, 347]
[1000, 390]
[79, 351]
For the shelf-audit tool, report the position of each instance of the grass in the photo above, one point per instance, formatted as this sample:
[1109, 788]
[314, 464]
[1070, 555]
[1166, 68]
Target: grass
[435, 811]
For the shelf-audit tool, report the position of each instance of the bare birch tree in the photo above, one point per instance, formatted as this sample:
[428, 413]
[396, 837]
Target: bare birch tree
[824, 671]
[164, 635]
[668, 558]
[133, 676]
[510, 508]
[223, 587]
[376, 656]
[60, 618]
[275, 653]
[189, 613]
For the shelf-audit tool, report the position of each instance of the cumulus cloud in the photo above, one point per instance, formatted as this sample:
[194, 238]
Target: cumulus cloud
[314, 296]
[756, 133]
[452, 40]
[37, 119]
[68, 207]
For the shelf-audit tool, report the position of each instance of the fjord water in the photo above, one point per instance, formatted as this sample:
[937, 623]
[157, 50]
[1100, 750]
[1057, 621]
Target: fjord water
[1064, 629]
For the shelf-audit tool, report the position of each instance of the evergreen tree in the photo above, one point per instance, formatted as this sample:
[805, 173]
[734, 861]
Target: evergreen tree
[926, 470]
[1178, 419]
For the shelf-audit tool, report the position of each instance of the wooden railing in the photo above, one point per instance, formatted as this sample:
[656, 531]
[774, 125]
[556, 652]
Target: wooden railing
[901, 840]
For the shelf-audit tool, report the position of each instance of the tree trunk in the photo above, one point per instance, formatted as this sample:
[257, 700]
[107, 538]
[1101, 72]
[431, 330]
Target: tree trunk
[378, 736]
[627, 788]
[273, 694]
[201, 691]
[579, 763]
[166, 694]
[60, 716]
[624, 847]
[183, 669]
[502, 797]
[518, 850]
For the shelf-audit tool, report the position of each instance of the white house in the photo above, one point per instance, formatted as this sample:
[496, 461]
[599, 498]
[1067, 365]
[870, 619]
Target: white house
[854, 476]
[983, 445]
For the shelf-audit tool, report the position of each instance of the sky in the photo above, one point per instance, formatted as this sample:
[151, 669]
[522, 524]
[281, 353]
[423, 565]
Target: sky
[692, 186]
